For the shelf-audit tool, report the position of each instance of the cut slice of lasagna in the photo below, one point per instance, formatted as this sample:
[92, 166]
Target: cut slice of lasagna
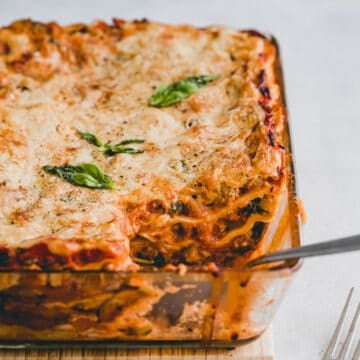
[136, 144]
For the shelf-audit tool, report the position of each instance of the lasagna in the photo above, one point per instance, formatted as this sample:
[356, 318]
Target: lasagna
[136, 144]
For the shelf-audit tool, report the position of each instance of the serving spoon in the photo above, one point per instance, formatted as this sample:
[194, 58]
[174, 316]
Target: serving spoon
[345, 244]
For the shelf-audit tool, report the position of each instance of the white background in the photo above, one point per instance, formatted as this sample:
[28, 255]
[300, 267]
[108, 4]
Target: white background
[320, 43]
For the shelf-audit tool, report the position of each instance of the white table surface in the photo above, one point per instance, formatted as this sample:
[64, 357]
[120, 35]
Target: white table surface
[320, 43]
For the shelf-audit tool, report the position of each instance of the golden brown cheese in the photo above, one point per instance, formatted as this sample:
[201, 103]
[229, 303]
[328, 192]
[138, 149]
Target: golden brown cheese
[212, 169]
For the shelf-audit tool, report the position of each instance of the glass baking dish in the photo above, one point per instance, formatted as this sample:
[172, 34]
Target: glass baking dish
[154, 308]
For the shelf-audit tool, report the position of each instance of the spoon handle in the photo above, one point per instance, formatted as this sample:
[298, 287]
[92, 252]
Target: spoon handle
[345, 244]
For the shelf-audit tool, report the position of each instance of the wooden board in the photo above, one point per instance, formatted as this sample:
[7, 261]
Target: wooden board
[261, 349]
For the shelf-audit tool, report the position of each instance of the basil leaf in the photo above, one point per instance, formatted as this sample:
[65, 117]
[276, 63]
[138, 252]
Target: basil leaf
[166, 95]
[131, 141]
[109, 149]
[90, 138]
[86, 180]
[93, 171]
[87, 175]
[64, 172]
[119, 148]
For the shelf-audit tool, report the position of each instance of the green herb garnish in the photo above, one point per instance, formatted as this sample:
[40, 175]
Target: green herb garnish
[166, 95]
[87, 175]
[90, 138]
[109, 149]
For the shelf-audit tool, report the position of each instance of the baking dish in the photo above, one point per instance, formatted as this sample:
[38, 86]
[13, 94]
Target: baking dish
[154, 308]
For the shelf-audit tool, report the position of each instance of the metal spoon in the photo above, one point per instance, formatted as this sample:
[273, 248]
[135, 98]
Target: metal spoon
[345, 244]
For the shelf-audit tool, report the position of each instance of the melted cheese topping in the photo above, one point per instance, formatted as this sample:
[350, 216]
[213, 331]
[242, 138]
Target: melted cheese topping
[99, 79]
